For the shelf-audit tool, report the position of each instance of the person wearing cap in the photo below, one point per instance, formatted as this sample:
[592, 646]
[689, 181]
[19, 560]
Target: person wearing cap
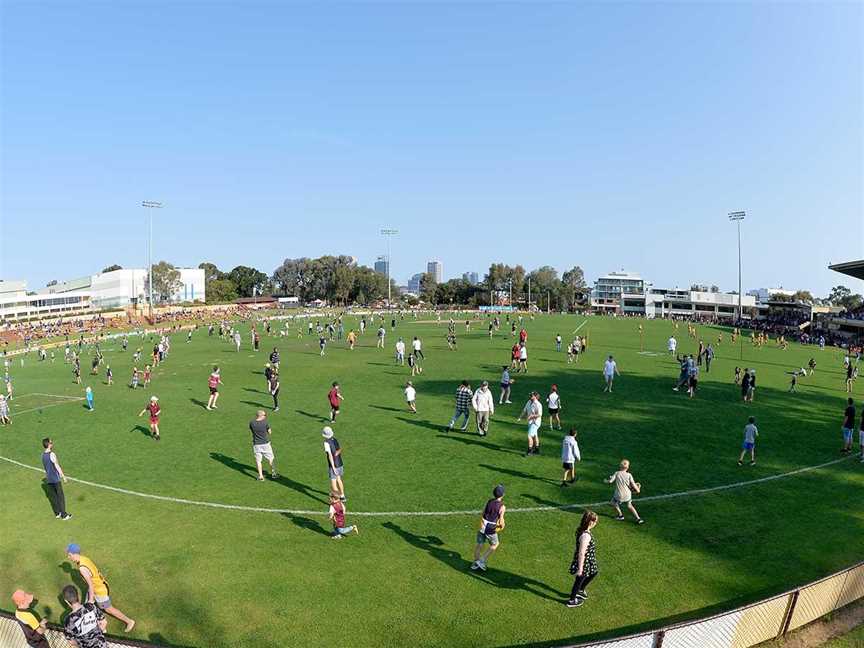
[491, 523]
[533, 411]
[155, 411]
[484, 407]
[335, 397]
[213, 382]
[97, 586]
[335, 468]
[32, 627]
[268, 374]
[54, 480]
[85, 624]
[261, 448]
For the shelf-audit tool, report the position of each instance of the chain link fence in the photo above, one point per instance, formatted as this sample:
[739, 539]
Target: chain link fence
[740, 628]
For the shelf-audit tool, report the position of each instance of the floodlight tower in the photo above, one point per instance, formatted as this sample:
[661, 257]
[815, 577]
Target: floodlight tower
[389, 233]
[150, 205]
[737, 217]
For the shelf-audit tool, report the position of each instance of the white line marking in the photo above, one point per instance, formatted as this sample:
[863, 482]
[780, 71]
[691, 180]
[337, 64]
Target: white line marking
[530, 509]
[34, 409]
[53, 395]
[579, 327]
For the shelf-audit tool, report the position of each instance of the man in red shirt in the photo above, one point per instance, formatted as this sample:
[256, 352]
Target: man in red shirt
[514, 357]
[523, 336]
[335, 397]
[213, 383]
[155, 411]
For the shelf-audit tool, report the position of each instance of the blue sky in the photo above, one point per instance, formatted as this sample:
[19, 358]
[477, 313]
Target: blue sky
[605, 135]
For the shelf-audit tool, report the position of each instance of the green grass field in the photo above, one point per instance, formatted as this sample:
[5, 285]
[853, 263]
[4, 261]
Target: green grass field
[203, 576]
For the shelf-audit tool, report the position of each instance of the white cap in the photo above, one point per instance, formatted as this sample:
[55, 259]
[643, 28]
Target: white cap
[153, 398]
[327, 432]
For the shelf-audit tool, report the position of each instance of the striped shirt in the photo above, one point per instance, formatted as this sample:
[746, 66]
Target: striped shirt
[463, 398]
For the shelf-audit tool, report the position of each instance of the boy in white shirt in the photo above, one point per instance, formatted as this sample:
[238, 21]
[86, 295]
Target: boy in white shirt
[624, 487]
[411, 396]
[569, 456]
[553, 401]
[610, 370]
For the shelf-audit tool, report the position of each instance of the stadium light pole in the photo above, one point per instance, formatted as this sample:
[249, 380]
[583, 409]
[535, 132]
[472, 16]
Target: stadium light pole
[389, 233]
[150, 205]
[737, 217]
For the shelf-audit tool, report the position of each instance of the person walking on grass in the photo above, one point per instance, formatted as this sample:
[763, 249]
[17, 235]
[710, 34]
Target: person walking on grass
[411, 397]
[584, 563]
[569, 456]
[54, 480]
[861, 438]
[523, 358]
[88, 396]
[153, 408]
[32, 626]
[417, 347]
[533, 412]
[610, 370]
[463, 404]
[5, 419]
[336, 514]
[85, 625]
[848, 426]
[335, 467]
[491, 524]
[381, 333]
[506, 381]
[749, 445]
[335, 397]
[553, 401]
[400, 352]
[625, 485]
[97, 586]
[484, 408]
[273, 387]
[261, 448]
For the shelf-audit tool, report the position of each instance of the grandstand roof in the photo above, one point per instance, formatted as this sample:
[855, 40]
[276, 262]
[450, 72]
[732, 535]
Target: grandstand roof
[851, 268]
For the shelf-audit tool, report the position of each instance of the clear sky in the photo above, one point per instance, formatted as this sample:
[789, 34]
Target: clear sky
[605, 135]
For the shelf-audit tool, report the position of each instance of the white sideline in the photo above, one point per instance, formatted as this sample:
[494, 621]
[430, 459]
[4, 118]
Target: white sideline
[530, 509]
[34, 409]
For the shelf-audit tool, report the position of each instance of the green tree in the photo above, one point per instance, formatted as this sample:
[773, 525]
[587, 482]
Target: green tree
[803, 296]
[166, 281]
[838, 294]
[220, 291]
[428, 287]
[112, 268]
[211, 272]
[248, 281]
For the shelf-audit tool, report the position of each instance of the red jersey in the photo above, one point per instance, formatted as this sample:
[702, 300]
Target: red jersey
[515, 352]
[154, 409]
[333, 397]
[523, 335]
[214, 380]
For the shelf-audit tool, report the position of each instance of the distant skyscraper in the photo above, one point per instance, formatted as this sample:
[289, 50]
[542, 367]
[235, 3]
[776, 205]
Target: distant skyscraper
[436, 269]
[414, 284]
[471, 277]
[381, 266]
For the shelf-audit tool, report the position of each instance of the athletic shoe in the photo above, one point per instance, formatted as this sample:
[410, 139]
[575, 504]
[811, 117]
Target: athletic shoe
[640, 521]
[260, 478]
[582, 594]
[564, 484]
[59, 516]
[336, 537]
[481, 566]
[508, 402]
[574, 603]
[475, 566]
[274, 475]
[529, 453]
[482, 433]
[342, 498]
[208, 408]
[68, 516]
[356, 530]
[537, 450]
[463, 429]
[619, 518]
[752, 463]
[275, 409]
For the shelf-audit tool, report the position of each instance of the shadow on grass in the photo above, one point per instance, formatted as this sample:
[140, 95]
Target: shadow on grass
[199, 403]
[252, 472]
[520, 474]
[387, 409]
[258, 405]
[143, 430]
[424, 424]
[307, 523]
[317, 417]
[475, 440]
[434, 546]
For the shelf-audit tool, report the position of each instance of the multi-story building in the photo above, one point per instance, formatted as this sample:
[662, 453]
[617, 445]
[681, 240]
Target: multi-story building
[471, 277]
[381, 266]
[661, 302]
[414, 283]
[763, 295]
[17, 305]
[609, 290]
[436, 269]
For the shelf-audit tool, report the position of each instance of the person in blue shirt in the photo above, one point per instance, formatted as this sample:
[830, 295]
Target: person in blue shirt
[89, 395]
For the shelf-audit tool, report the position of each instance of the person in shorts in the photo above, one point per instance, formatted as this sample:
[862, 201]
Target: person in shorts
[533, 412]
[261, 448]
[32, 627]
[506, 381]
[610, 370]
[97, 586]
[335, 467]
[569, 456]
[213, 382]
[861, 437]
[848, 426]
[85, 624]
[153, 408]
[750, 434]
[491, 523]
[624, 487]
[553, 400]
[411, 397]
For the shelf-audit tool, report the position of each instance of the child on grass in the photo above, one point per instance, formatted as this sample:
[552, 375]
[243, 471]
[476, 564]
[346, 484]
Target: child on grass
[337, 517]
[624, 487]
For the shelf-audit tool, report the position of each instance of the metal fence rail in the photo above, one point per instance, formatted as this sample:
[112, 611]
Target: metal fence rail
[740, 628]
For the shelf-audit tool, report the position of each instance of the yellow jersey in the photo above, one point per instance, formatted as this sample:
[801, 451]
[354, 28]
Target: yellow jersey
[100, 586]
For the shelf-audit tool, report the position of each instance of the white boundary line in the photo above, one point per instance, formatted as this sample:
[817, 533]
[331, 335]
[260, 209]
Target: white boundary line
[34, 409]
[530, 509]
[579, 327]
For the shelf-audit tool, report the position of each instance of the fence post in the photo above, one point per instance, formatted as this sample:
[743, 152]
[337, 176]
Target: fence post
[658, 638]
[787, 616]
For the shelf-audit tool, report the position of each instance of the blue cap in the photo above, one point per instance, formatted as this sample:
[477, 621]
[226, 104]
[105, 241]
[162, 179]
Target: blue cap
[73, 548]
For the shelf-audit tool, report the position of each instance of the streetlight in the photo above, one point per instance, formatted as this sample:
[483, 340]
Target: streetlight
[150, 204]
[389, 233]
[737, 217]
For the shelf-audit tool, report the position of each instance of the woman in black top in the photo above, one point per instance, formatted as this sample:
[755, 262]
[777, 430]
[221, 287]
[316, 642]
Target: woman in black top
[584, 565]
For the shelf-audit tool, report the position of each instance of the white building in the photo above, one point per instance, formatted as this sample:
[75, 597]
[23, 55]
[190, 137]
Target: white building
[609, 290]
[661, 302]
[436, 269]
[17, 305]
[763, 295]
